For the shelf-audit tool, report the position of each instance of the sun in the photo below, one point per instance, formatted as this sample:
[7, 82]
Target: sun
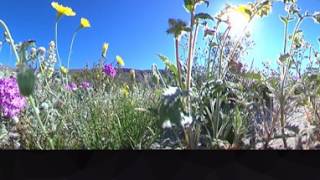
[238, 22]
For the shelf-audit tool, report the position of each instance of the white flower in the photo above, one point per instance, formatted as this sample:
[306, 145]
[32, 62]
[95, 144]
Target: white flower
[186, 120]
[41, 51]
[45, 106]
[15, 120]
[167, 124]
[287, 7]
[170, 91]
[52, 44]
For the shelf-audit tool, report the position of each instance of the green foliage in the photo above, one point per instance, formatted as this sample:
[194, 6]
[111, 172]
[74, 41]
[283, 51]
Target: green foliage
[190, 5]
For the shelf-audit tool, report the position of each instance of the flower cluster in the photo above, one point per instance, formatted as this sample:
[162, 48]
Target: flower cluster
[11, 102]
[85, 85]
[109, 70]
[73, 86]
[47, 64]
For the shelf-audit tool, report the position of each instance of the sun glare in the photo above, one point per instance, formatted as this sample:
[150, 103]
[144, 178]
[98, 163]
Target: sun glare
[237, 22]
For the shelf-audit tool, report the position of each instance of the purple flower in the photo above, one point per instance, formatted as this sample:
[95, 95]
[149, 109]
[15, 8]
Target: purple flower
[109, 70]
[85, 85]
[71, 86]
[11, 102]
[296, 78]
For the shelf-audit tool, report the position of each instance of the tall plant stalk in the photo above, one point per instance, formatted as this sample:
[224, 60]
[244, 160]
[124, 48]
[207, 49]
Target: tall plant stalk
[284, 73]
[178, 61]
[190, 53]
[71, 46]
[6, 29]
[56, 40]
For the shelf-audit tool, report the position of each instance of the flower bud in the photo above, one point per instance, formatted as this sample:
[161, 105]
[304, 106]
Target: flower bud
[133, 74]
[26, 80]
[64, 70]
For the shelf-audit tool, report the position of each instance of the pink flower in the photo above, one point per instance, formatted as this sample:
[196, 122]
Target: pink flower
[85, 85]
[11, 102]
[71, 86]
[109, 70]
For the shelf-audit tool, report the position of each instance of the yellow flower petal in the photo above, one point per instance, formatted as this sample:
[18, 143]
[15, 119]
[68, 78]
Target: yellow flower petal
[84, 23]
[120, 60]
[62, 10]
[64, 70]
[105, 48]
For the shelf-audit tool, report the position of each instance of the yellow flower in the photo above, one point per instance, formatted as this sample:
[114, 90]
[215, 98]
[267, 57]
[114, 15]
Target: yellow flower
[84, 23]
[132, 74]
[64, 70]
[245, 11]
[62, 10]
[125, 90]
[50, 73]
[105, 48]
[120, 60]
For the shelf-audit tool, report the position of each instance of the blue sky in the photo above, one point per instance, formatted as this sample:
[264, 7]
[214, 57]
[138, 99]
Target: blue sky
[135, 30]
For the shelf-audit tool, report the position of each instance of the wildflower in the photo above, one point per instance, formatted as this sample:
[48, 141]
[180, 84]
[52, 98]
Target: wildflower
[105, 48]
[84, 23]
[166, 125]
[44, 106]
[62, 10]
[170, 91]
[11, 102]
[109, 70]
[64, 70]
[125, 90]
[186, 120]
[120, 60]
[132, 74]
[50, 72]
[85, 85]
[41, 51]
[71, 87]
[33, 53]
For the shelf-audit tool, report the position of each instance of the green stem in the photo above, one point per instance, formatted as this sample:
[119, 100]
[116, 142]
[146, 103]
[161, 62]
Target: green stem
[35, 109]
[178, 61]
[5, 27]
[71, 46]
[190, 57]
[56, 39]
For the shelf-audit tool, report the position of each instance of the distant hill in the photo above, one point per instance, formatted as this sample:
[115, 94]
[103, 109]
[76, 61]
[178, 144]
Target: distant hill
[123, 73]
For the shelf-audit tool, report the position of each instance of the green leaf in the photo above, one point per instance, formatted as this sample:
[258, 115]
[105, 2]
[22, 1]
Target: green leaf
[189, 5]
[284, 20]
[172, 68]
[176, 27]
[253, 76]
[265, 9]
[203, 16]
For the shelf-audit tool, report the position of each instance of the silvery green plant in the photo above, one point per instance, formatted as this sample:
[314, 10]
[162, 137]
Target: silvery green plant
[292, 43]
